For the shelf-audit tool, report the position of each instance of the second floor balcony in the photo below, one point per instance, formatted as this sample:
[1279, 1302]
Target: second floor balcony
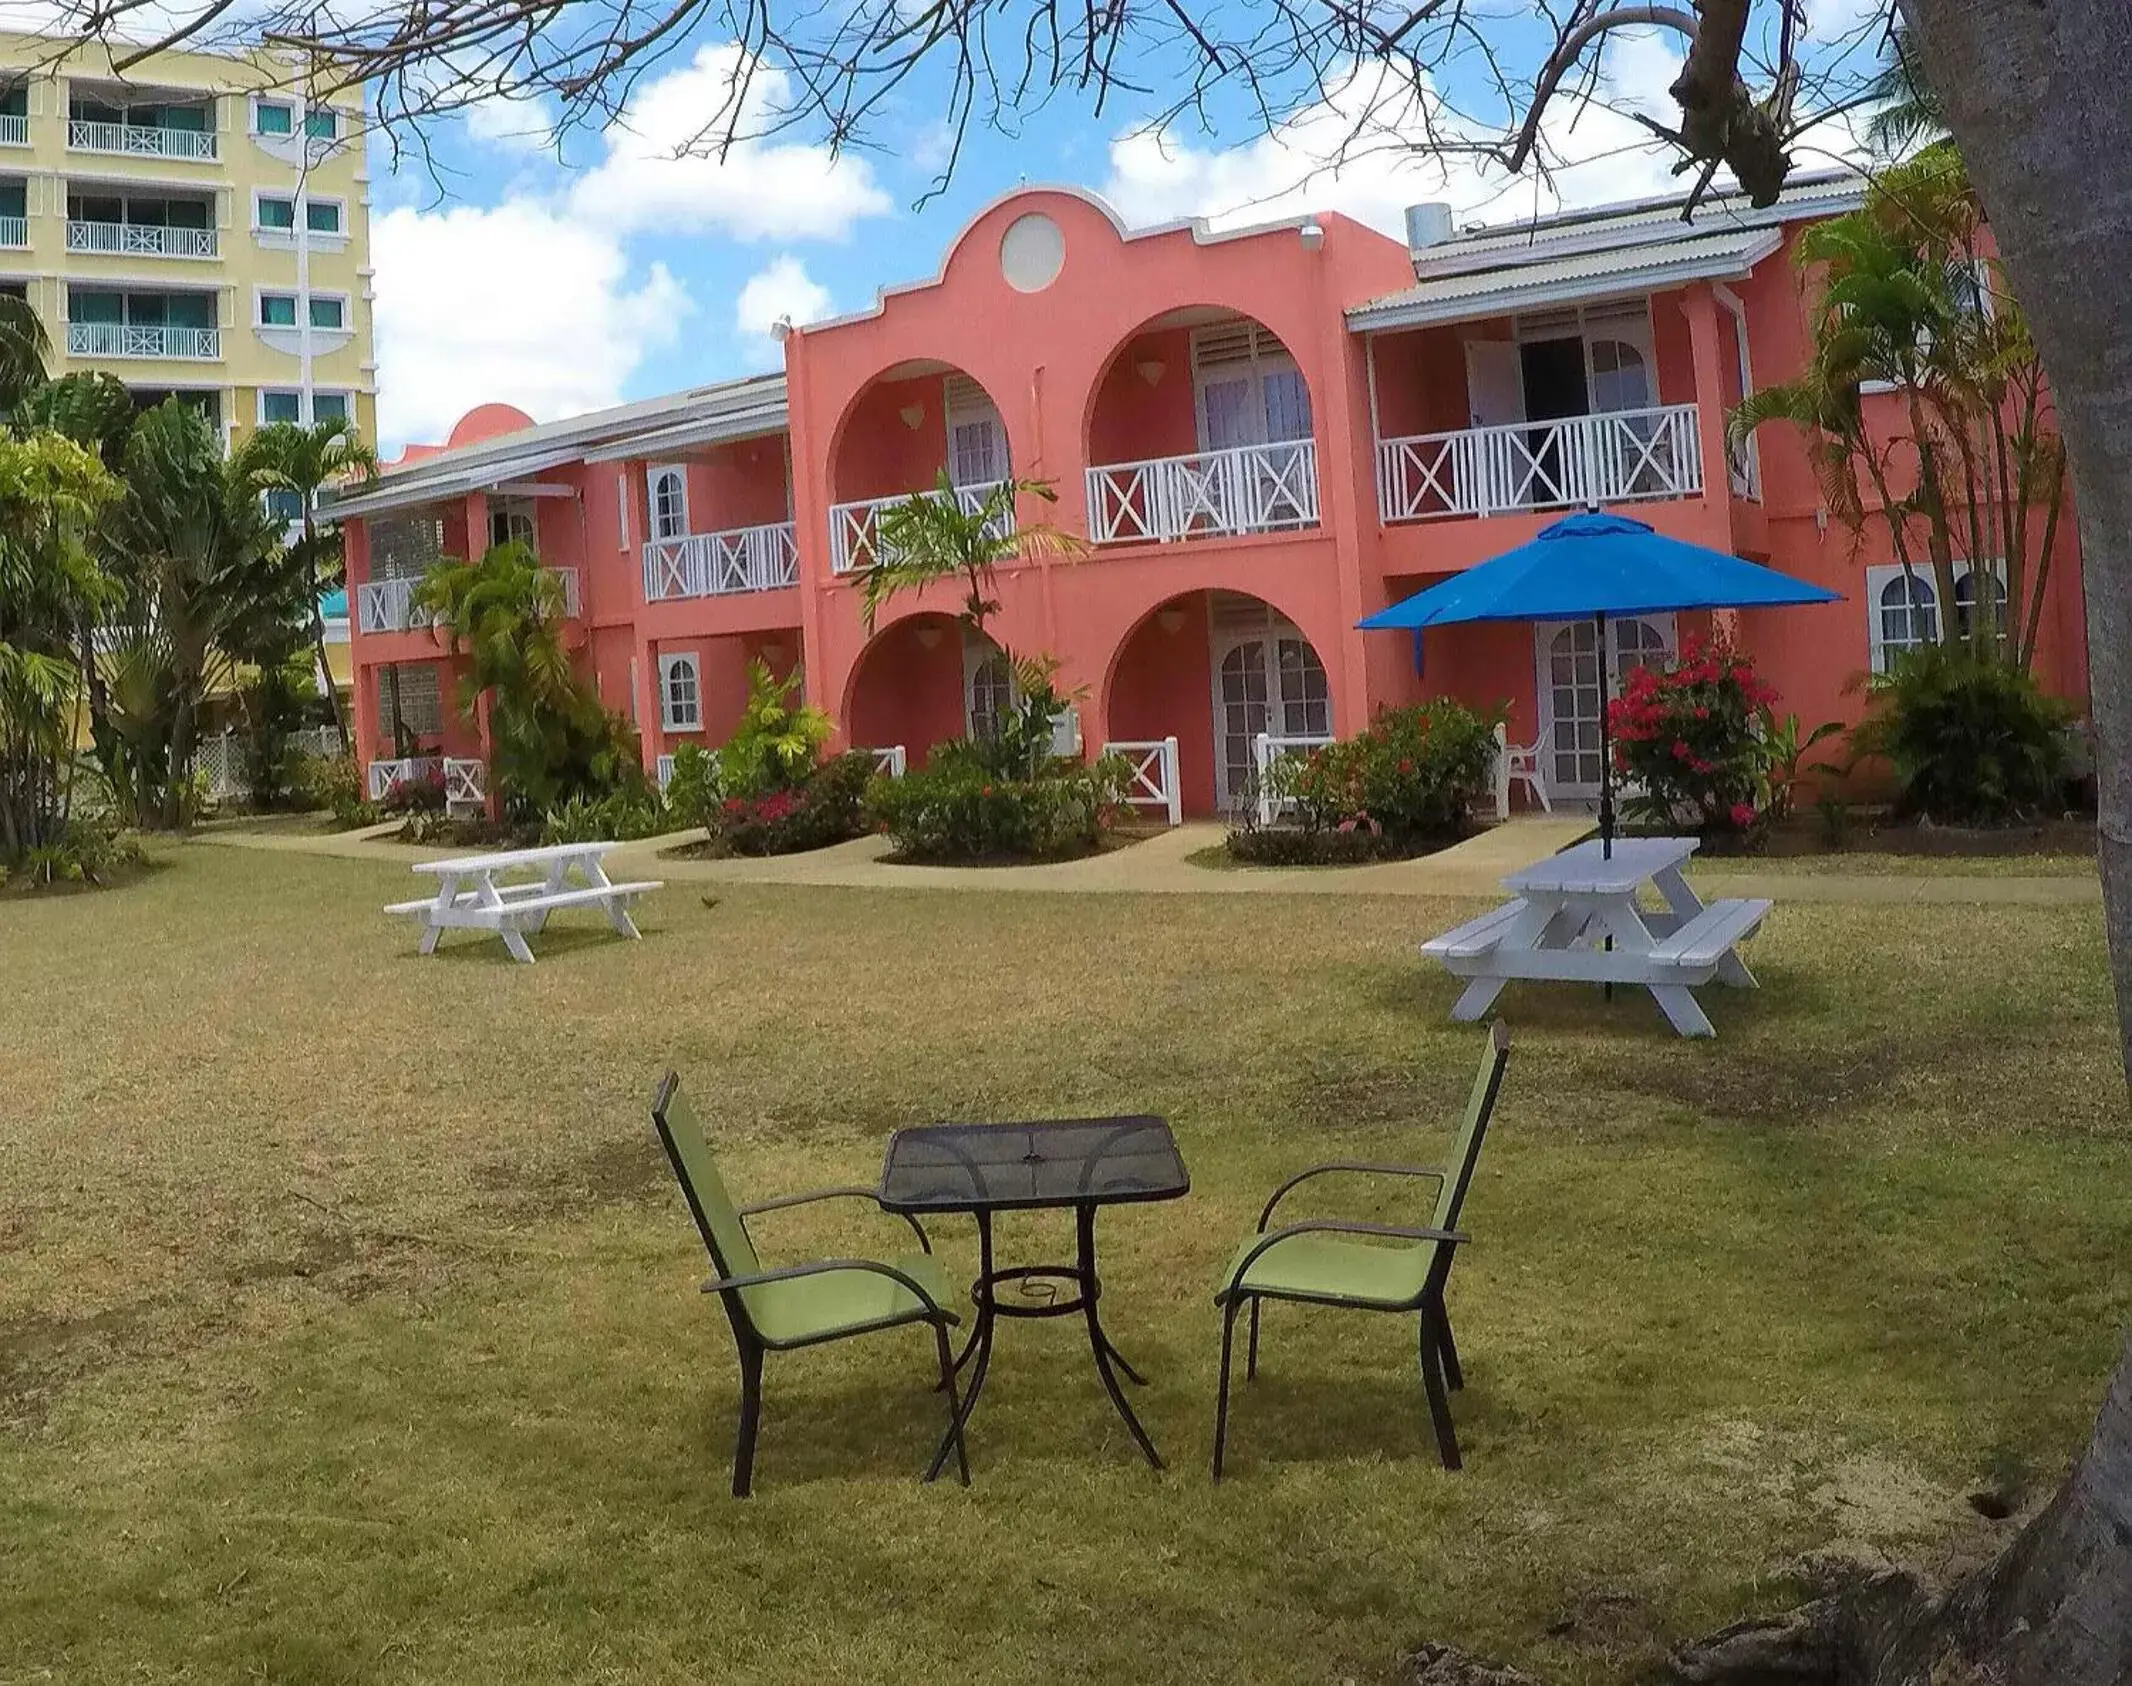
[388, 605]
[1620, 456]
[855, 528]
[740, 559]
[155, 340]
[136, 122]
[1245, 489]
[114, 236]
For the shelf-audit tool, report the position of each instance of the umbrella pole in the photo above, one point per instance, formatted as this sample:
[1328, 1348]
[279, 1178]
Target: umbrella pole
[1606, 749]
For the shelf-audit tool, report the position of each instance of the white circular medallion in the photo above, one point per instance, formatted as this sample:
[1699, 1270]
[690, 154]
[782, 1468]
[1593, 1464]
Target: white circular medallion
[1031, 253]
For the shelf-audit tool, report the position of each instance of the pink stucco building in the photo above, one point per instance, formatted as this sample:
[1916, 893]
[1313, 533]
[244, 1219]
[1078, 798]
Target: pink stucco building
[1262, 436]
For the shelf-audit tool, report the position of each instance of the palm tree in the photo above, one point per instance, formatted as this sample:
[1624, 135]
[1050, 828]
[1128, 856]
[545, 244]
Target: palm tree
[1909, 114]
[930, 536]
[300, 462]
[25, 350]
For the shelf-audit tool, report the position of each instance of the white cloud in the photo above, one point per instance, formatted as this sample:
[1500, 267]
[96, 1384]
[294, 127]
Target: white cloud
[516, 304]
[781, 288]
[662, 170]
[510, 123]
[1833, 20]
[1594, 155]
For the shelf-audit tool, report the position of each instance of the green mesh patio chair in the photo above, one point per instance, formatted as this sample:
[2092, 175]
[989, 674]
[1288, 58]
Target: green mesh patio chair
[776, 1309]
[1334, 1262]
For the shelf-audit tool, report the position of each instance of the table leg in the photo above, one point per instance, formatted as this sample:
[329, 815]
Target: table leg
[1098, 1342]
[1632, 937]
[515, 941]
[558, 873]
[979, 1348]
[1682, 1010]
[595, 872]
[447, 893]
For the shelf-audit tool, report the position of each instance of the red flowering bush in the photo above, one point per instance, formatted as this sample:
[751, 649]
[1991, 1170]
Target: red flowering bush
[1696, 736]
[1411, 776]
[828, 808]
[422, 794]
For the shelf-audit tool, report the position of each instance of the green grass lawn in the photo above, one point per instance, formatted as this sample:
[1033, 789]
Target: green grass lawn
[349, 1332]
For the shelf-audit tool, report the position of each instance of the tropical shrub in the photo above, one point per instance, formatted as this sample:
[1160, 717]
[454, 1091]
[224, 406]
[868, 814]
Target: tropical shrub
[277, 701]
[829, 808]
[616, 817]
[1288, 845]
[551, 738]
[1971, 738]
[81, 851]
[956, 809]
[335, 784]
[423, 794]
[776, 743]
[692, 787]
[1687, 735]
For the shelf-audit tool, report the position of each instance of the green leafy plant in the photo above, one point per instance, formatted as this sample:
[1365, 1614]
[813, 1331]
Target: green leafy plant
[618, 816]
[776, 743]
[1972, 740]
[83, 852]
[956, 808]
[692, 790]
[829, 808]
[424, 793]
[550, 737]
[335, 784]
[931, 537]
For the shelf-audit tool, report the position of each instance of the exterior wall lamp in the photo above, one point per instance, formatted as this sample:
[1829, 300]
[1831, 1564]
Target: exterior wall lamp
[912, 415]
[1312, 236]
[1151, 369]
[928, 636]
[1171, 620]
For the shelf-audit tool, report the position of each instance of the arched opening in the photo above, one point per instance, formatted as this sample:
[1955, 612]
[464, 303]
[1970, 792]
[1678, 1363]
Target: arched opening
[1567, 653]
[1217, 670]
[925, 679]
[1200, 426]
[909, 424]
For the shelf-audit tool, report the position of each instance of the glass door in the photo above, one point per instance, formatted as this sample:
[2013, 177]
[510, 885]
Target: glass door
[1568, 662]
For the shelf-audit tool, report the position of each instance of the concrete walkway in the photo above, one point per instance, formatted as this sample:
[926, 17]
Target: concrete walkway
[1470, 870]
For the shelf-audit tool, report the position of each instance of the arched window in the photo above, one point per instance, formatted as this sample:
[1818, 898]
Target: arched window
[669, 503]
[1305, 698]
[1965, 602]
[989, 694]
[1621, 379]
[1909, 616]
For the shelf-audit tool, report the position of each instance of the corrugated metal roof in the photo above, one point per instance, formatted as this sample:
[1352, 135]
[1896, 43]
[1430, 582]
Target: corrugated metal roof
[754, 404]
[1524, 285]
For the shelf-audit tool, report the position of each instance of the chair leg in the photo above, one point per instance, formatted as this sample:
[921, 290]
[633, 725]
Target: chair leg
[1432, 1385]
[1251, 1355]
[750, 1420]
[1447, 1350]
[1221, 1392]
[947, 1384]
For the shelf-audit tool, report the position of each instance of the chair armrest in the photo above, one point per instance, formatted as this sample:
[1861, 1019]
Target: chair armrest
[1360, 1167]
[925, 1242]
[820, 1267]
[1333, 1226]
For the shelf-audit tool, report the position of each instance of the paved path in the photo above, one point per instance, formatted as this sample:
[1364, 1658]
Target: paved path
[1473, 870]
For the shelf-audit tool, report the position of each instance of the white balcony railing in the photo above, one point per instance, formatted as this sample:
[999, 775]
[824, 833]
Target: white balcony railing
[1617, 457]
[1247, 489]
[855, 528]
[714, 564]
[1153, 782]
[465, 789]
[14, 130]
[1267, 751]
[140, 141]
[14, 231]
[388, 605]
[891, 761]
[125, 339]
[386, 776]
[139, 239]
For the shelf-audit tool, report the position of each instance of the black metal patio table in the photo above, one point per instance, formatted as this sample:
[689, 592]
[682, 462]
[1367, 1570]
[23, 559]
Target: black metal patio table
[985, 1169]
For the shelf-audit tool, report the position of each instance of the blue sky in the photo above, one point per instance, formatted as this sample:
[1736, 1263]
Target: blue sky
[621, 270]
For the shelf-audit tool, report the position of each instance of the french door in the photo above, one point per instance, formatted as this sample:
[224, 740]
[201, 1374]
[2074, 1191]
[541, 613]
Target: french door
[1567, 664]
[1266, 680]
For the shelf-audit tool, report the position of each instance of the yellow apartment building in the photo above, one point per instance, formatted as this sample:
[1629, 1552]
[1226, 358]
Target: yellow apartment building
[193, 224]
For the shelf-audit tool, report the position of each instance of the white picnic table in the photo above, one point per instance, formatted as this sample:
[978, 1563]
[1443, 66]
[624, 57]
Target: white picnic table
[1569, 904]
[472, 894]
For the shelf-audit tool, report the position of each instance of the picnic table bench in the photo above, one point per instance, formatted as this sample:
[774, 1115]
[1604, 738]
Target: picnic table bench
[1569, 906]
[470, 897]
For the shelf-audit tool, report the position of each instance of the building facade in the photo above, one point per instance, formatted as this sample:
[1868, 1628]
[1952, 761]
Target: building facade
[192, 224]
[1254, 439]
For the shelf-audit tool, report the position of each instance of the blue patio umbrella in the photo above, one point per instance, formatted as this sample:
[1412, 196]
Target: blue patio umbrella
[1587, 567]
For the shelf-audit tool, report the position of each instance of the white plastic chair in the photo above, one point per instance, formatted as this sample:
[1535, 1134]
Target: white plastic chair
[1518, 764]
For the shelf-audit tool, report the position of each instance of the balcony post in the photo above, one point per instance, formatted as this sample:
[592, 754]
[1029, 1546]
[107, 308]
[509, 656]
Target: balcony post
[1702, 311]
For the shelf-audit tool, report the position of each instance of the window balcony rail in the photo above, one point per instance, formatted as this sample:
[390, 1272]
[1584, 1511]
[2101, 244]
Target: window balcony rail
[139, 141]
[1268, 751]
[139, 239]
[1620, 456]
[716, 564]
[14, 130]
[855, 528]
[14, 231]
[387, 776]
[1153, 781]
[388, 605]
[1246, 489]
[125, 339]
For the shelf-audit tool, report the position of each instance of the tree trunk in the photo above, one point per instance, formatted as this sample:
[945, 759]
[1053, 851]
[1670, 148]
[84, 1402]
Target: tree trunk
[2046, 130]
[2053, 1609]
